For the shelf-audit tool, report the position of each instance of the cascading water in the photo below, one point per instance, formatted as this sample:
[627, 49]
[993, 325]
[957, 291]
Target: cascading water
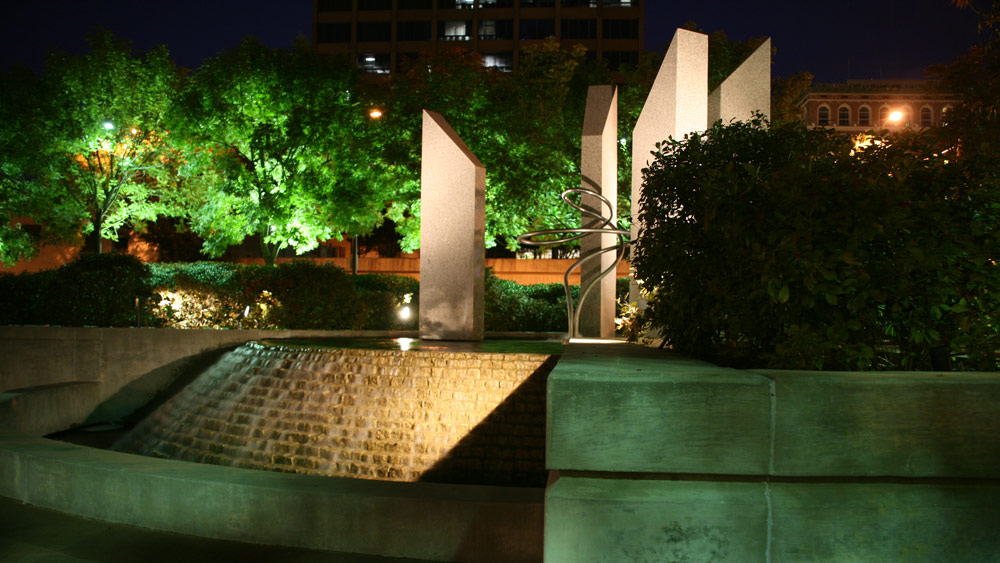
[462, 417]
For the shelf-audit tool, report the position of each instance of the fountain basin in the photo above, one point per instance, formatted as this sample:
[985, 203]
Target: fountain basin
[468, 413]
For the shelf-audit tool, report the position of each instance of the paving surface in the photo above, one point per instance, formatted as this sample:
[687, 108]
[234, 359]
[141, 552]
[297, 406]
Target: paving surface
[32, 534]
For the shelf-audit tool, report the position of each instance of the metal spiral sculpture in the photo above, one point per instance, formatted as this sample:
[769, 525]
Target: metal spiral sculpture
[604, 226]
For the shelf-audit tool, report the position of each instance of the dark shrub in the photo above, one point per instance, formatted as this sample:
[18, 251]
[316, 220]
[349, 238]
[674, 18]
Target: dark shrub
[781, 247]
[94, 290]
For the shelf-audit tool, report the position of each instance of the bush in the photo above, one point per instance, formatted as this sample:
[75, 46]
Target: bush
[782, 248]
[94, 290]
[382, 296]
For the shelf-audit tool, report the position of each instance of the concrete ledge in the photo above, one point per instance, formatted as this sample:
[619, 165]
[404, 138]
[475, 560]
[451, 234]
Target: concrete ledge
[885, 522]
[887, 423]
[599, 520]
[626, 408]
[417, 520]
[592, 519]
[621, 407]
[42, 410]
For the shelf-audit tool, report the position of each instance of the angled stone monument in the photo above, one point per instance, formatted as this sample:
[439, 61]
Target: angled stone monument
[599, 168]
[746, 90]
[677, 105]
[452, 234]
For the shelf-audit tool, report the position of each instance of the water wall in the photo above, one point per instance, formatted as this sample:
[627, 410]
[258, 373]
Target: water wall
[457, 417]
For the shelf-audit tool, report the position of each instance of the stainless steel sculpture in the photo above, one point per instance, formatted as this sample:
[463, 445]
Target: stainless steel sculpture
[604, 219]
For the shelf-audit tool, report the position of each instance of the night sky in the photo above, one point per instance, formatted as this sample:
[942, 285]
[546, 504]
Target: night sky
[834, 41]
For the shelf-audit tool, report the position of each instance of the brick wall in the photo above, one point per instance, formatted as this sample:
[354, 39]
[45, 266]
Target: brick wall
[373, 414]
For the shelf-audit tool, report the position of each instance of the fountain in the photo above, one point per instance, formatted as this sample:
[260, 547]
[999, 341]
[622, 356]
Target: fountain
[432, 412]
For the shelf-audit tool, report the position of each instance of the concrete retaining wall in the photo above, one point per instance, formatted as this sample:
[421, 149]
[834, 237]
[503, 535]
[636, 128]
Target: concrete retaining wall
[116, 369]
[415, 520]
[664, 458]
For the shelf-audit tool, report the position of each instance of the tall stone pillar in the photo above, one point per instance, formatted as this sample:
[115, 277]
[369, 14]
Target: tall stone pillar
[599, 167]
[452, 234]
[677, 105]
[746, 90]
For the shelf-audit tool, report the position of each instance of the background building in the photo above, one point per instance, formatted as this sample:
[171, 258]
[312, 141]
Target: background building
[860, 105]
[380, 34]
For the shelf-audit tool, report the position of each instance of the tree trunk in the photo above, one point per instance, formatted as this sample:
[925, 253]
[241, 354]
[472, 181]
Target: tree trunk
[268, 251]
[98, 224]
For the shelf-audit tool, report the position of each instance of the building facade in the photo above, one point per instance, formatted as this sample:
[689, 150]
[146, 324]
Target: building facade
[382, 34]
[860, 105]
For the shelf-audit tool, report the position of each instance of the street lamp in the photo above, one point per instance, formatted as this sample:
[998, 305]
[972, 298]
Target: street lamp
[895, 117]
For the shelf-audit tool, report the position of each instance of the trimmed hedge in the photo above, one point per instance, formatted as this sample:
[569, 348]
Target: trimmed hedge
[784, 248]
[94, 290]
[102, 291]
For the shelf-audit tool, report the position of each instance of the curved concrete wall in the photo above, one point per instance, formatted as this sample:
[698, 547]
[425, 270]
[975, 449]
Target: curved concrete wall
[416, 520]
[53, 378]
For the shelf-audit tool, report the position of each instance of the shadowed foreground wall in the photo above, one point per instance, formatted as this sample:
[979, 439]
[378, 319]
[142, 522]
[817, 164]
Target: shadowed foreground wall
[663, 458]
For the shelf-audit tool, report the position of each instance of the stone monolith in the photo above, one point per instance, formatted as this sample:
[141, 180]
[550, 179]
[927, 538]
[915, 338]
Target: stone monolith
[452, 234]
[599, 168]
[745, 91]
[677, 105]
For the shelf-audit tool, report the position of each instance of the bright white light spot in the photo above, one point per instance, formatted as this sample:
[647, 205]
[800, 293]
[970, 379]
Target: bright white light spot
[375, 113]
[404, 343]
[108, 125]
[407, 298]
[623, 141]
[404, 313]
[896, 116]
[369, 59]
[134, 130]
[246, 311]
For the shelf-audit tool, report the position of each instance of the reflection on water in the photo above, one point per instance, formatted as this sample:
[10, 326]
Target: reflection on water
[491, 346]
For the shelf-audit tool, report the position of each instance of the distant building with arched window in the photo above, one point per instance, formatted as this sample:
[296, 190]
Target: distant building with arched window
[875, 104]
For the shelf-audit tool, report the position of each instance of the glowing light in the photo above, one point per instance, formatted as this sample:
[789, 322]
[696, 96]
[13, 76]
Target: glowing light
[595, 341]
[404, 313]
[404, 343]
[895, 116]
[375, 113]
[134, 130]
[369, 59]
[623, 141]
[108, 126]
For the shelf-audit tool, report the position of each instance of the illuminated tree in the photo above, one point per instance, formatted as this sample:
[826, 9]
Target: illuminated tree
[277, 140]
[523, 126]
[88, 154]
[107, 120]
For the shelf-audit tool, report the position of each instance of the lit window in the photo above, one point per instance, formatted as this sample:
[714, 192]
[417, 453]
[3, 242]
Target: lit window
[496, 29]
[374, 63]
[844, 116]
[455, 30]
[824, 116]
[864, 116]
[503, 61]
[926, 117]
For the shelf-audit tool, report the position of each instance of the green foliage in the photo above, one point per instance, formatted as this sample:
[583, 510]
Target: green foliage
[94, 290]
[105, 162]
[277, 146]
[778, 247]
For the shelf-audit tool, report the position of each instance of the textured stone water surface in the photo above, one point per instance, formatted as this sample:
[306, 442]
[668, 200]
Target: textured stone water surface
[458, 417]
